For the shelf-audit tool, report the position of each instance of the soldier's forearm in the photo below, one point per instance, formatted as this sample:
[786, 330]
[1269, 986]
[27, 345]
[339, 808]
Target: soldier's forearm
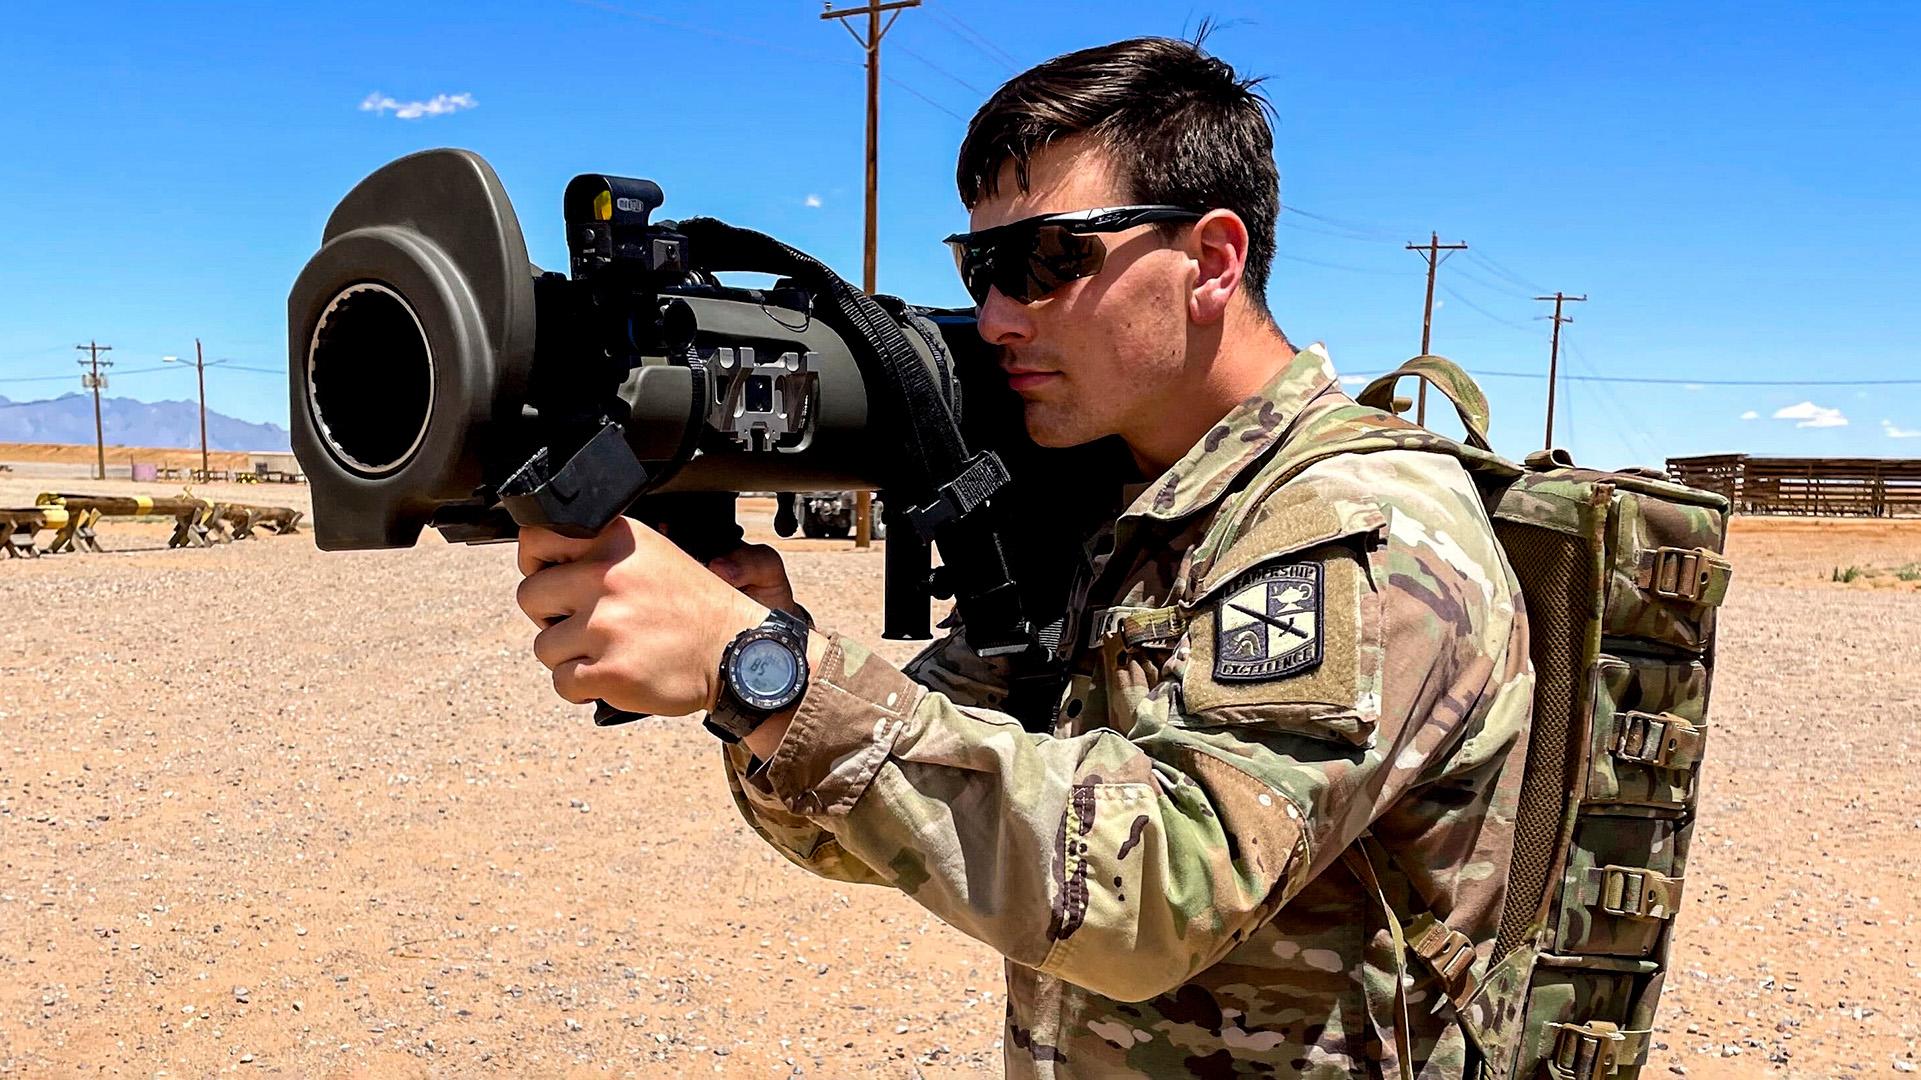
[1082, 857]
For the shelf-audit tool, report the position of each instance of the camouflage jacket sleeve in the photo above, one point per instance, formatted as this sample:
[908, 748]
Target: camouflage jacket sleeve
[949, 665]
[1129, 856]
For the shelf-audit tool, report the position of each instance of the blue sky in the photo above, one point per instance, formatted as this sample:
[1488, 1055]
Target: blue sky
[1734, 185]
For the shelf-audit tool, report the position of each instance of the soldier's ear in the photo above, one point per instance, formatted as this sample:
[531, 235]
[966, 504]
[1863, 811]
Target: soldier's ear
[1218, 246]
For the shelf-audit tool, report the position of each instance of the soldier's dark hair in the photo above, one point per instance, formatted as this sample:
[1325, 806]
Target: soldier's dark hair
[1180, 126]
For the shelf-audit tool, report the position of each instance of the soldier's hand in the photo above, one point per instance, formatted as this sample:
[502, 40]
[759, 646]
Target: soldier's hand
[629, 618]
[757, 570]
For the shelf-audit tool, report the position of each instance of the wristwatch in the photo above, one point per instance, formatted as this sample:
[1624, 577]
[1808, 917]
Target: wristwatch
[762, 671]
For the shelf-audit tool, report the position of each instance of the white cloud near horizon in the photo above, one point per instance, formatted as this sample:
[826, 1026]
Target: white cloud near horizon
[1750, 415]
[811, 200]
[1355, 380]
[1809, 415]
[439, 105]
[1893, 432]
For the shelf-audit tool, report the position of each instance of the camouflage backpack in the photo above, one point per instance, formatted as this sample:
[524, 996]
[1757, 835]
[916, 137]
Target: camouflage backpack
[1621, 573]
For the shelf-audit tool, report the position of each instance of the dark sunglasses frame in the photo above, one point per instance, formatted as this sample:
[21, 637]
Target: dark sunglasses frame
[1029, 258]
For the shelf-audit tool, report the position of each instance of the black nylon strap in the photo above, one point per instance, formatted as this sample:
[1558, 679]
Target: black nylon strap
[938, 468]
[961, 496]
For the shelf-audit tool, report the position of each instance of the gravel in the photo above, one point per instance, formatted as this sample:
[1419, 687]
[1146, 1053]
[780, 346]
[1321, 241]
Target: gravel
[322, 814]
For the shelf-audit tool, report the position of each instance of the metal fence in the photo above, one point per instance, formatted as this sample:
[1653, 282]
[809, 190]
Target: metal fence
[1826, 487]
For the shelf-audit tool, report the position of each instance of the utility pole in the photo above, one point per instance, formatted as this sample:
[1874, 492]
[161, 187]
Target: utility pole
[1554, 356]
[864, 501]
[1431, 251]
[200, 369]
[93, 380]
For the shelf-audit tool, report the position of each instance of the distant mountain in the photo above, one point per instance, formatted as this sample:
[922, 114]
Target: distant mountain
[127, 422]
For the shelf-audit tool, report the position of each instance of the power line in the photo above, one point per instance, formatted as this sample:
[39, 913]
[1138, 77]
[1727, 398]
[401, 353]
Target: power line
[1335, 227]
[1483, 259]
[742, 39]
[924, 97]
[696, 28]
[1624, 422]
[1335, 265]
[1494, 287]
[980, 42]
[122, 375]
[1739, 382]
[45, 378]
[1456, 294]
[1669, 381]
[942, 70]
[1286, 219]
[1344, 229]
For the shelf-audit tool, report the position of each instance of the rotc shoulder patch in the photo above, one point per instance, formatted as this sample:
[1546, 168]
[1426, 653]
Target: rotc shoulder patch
[1267, 624]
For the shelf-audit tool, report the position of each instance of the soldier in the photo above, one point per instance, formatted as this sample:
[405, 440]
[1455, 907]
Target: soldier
[1299, 683]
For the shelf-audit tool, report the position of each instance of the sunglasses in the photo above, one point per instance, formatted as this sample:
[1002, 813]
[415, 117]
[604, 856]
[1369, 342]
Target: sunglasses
[1029, 258]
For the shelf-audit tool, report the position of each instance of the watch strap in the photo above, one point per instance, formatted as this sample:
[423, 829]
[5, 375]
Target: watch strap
[730, 719]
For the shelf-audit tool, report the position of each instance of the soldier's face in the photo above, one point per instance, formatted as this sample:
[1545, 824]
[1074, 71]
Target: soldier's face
[1100, 355]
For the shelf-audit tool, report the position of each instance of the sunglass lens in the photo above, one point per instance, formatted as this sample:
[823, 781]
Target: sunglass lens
[1027, 265]
[975, 263]
[1054, 258]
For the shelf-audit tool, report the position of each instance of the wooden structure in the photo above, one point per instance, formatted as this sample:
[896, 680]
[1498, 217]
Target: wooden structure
[198, 522]
[1824, 487]
[18, 525]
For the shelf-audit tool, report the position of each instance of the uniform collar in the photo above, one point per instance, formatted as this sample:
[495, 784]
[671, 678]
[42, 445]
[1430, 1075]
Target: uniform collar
[1242, 437]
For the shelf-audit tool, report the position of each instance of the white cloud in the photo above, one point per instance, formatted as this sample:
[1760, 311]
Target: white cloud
[811, 200]
[1750, 415]
[1693, 386]
[1355, 380]
[1894, 432]
[439, 105]
[1810, 415]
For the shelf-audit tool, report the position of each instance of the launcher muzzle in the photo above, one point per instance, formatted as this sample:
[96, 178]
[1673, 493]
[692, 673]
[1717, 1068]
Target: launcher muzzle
[440, 378]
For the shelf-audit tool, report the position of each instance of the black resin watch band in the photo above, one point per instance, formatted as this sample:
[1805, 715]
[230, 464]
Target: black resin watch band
[731, 718]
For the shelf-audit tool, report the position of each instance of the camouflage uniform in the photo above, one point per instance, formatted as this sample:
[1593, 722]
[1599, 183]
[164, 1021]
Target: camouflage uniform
[1164, 872]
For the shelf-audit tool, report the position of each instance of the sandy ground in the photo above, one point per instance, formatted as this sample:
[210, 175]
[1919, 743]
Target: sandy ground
[265, 808]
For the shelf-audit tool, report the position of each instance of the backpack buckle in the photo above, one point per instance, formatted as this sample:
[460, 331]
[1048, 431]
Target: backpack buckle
[1590, 1051]
[1660, 740]
[1634, 892]
[1449, 952]
[1692, 575]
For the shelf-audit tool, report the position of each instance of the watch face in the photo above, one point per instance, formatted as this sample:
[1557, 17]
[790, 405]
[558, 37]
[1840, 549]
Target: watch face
[765, 669]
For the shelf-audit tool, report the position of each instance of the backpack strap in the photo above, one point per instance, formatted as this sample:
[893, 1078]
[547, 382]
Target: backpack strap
[1368, 431]
[1447, 953]
[1360, 863]
[1447, 377]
